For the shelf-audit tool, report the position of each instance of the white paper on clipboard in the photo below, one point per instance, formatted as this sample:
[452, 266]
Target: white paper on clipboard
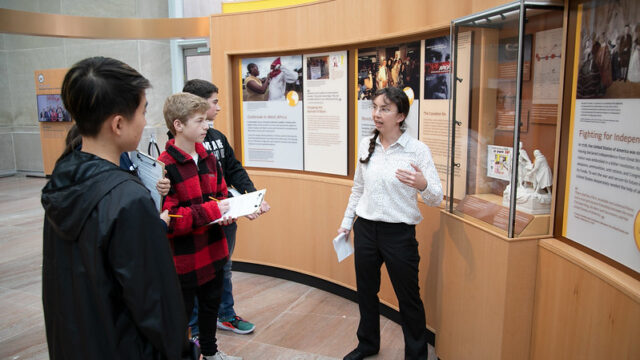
[150, 171]
[243, 205]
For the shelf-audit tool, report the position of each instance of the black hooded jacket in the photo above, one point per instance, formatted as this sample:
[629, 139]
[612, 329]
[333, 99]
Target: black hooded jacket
[109, 285]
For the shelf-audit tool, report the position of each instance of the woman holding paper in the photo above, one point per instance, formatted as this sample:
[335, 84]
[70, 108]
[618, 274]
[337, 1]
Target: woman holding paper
[393, 167]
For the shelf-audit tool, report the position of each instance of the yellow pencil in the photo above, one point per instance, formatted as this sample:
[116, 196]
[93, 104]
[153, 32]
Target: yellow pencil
[214, 199]
[175, 216]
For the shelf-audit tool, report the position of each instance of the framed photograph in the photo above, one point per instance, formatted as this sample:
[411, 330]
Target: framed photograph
[50, 109]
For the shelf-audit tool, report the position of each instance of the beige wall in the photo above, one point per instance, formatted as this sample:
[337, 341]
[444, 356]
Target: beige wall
[21, 55]
[111, 8]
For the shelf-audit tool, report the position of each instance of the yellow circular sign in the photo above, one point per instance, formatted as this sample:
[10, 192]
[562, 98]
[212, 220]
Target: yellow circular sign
[292, 98]
[410, 94]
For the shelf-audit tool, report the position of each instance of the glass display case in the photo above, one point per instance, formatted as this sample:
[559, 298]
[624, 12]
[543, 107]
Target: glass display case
[504, 116]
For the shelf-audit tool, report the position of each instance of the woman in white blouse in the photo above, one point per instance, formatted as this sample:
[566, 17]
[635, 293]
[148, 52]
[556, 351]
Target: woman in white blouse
[393, 167]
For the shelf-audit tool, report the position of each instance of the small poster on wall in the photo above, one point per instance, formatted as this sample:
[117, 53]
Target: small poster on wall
[499, 162]
[272, 103]
[437, 68]
[602, 208]
[325, 113]
[50, 108]
[506, 85]
[546, 76]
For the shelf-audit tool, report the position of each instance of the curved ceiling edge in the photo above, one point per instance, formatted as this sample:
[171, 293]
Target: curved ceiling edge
[68, 26]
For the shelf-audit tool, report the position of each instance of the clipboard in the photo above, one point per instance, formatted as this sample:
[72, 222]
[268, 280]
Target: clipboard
[150, 171]
[243, 205]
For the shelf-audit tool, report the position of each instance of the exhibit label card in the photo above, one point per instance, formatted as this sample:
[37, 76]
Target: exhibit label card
[602, 208]
[325, 112]
[272, 123]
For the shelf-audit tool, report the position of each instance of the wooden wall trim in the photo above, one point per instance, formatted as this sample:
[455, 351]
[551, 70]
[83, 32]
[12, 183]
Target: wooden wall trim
[68, 26]
[301, 176]
[479, 224]
[616, 278]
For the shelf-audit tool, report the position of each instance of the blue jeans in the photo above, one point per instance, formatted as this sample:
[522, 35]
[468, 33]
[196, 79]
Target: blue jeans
[225, 310]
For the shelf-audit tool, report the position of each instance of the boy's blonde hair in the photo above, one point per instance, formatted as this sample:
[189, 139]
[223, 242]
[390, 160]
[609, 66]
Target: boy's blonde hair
[182, 106]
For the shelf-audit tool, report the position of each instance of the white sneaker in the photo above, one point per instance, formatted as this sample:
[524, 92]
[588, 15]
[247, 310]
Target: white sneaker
[221, 356]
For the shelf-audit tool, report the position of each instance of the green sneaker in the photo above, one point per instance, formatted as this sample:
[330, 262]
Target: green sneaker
[236, 324]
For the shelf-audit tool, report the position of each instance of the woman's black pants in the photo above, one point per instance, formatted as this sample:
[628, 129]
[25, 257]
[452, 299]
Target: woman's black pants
[394, 244]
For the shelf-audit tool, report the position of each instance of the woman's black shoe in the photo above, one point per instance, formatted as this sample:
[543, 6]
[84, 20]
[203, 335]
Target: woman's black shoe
[356, 354]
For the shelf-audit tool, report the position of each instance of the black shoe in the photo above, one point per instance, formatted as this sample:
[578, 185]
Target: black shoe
[357, 354]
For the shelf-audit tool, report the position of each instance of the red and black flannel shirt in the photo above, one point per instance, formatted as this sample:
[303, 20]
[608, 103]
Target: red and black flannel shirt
[199, 250]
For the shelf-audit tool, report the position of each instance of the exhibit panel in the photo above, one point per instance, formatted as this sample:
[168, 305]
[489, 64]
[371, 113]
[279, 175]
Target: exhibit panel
[602, 192]
[272, 112]
[516, 68]
[53, 118]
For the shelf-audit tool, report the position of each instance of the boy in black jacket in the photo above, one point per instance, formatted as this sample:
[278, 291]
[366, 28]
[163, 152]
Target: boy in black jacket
[235, 176]
[109, 285]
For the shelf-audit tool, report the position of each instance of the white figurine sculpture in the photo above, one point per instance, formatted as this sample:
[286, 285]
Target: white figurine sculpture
[540, 173]
[523, 163]
[535, 198]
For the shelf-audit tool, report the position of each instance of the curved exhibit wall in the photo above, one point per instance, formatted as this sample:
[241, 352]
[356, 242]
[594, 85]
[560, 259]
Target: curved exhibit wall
[307, 209]
[480, 289]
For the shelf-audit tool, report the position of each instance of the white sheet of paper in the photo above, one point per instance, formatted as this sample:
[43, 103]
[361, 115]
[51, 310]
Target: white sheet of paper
[150, 171]
[244, 204]
[342, 246]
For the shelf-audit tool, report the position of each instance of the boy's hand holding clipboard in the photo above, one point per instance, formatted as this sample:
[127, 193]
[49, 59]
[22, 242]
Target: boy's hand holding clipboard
[242, 205]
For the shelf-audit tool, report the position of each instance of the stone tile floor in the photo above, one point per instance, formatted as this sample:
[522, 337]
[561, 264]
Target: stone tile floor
[293, 321]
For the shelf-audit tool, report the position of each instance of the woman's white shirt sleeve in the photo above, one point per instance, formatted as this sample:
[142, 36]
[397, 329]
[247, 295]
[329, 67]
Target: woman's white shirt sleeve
[356, 190]
[432, 195]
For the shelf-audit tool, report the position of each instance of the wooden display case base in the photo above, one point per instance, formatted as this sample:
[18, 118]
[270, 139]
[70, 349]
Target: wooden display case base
[488, 208]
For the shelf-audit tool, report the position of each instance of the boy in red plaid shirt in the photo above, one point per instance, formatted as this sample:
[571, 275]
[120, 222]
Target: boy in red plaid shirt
[196, 199]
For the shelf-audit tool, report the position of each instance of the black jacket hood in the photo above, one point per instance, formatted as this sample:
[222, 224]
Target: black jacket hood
[80, 180]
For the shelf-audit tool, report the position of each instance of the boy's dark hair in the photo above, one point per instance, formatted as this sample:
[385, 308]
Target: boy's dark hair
[98, 87]
[202, 88]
